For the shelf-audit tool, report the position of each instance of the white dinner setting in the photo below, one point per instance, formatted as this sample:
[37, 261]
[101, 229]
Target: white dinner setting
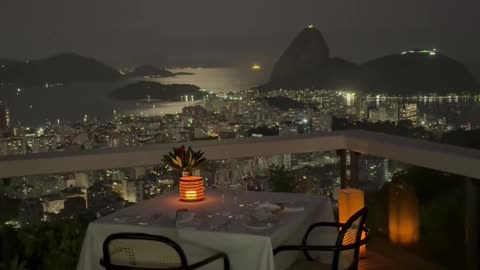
[224, 227]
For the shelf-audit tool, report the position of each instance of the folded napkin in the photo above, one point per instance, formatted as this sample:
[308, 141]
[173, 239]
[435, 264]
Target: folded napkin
[184, 217]
[270, 206]
[262, 213]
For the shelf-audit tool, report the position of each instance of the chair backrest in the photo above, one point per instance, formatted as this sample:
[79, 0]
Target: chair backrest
[350, 233]
[138, 250]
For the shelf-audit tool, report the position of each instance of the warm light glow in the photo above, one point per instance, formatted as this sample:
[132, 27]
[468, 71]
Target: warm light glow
[256, 67]
[191, 189]
[310, 26]
[403, 215]
[349, 202]
[191, 195]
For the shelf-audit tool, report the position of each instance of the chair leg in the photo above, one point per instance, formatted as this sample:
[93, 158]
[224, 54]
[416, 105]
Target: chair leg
[226, 263]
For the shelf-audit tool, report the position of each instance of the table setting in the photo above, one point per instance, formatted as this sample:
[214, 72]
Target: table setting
[246, 225]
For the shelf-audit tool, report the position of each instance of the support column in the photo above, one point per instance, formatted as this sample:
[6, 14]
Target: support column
[343, 168]
[471, 224]
[354, 170]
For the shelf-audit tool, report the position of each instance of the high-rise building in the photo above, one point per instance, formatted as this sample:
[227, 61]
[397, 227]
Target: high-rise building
[4, 116]
[13, 146]
[284, 160]
[377, 114]
[135, 173]
[408, 112]
[305, 126]
[82, 180]
[130, 190]
[53, 204]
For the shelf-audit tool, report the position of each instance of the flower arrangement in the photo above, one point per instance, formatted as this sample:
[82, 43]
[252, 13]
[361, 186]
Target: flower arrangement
[184, 160]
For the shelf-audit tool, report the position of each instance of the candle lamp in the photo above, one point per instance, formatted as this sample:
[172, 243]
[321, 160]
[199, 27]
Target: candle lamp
[192, 189]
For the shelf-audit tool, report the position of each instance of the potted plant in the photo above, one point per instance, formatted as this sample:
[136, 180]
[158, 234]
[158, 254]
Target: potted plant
[184, 160]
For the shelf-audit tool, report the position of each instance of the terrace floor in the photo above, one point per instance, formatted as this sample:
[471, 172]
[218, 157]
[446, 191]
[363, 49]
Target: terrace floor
[381, 255]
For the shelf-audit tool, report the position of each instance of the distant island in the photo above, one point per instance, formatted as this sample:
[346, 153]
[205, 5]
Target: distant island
[154, 72]
[62, 68]
[154, 90]
[306, 63]
[150, 71]
[183, 73]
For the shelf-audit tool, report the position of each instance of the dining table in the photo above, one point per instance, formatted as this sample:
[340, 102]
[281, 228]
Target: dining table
[247, 226]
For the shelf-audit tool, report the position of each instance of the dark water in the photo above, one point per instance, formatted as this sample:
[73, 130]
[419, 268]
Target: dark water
[32, 106]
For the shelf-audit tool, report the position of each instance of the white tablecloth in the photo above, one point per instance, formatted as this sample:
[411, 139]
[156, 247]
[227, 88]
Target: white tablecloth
[246, 248]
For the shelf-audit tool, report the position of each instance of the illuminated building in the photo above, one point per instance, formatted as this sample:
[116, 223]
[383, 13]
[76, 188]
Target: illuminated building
[377, 114]
[408, 112]
[82, 180]
[131, 190]
[284, 160]
[53, 204]
[4, 116]
[13, 146]
[305, 126]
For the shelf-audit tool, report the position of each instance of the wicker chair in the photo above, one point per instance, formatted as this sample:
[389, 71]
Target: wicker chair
[345, 251]
[137, 251]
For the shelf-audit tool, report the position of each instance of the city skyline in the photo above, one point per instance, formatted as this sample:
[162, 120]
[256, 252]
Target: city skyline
[283, 116]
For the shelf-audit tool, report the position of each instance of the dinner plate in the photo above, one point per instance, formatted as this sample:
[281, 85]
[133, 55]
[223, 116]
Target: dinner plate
[270, 206]
[259, 226]
[250, 223]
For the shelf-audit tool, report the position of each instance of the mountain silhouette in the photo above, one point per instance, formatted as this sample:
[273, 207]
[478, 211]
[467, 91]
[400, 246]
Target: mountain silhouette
[62, 68]
[416, 72]
[306, 63]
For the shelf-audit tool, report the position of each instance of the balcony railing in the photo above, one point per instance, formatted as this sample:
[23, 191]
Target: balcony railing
[446, 158]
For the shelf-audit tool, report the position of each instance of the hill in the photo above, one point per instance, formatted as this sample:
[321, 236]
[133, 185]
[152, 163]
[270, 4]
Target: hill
[62, 68]
[416, 72]
[306, 63]
[155, 90]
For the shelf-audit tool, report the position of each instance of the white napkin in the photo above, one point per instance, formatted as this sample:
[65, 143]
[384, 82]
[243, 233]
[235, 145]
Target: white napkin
[262, 213]
[269, 206]
[185, 217]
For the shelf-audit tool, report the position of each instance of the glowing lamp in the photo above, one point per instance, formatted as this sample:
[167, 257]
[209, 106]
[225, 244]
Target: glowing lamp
[403, 215]
[349, 202]
[191, 189]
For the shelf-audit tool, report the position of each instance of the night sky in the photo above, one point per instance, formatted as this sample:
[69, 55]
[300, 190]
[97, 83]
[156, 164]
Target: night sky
[233, 32]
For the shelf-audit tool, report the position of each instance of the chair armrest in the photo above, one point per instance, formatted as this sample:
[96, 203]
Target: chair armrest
[326, 224]
[223, 256]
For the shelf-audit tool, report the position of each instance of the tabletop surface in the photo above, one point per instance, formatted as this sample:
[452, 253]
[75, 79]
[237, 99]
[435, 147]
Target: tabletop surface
[219, 212]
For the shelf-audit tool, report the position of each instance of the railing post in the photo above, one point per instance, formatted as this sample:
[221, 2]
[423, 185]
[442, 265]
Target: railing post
[343, 168]
[354, 158]
[471, 224]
